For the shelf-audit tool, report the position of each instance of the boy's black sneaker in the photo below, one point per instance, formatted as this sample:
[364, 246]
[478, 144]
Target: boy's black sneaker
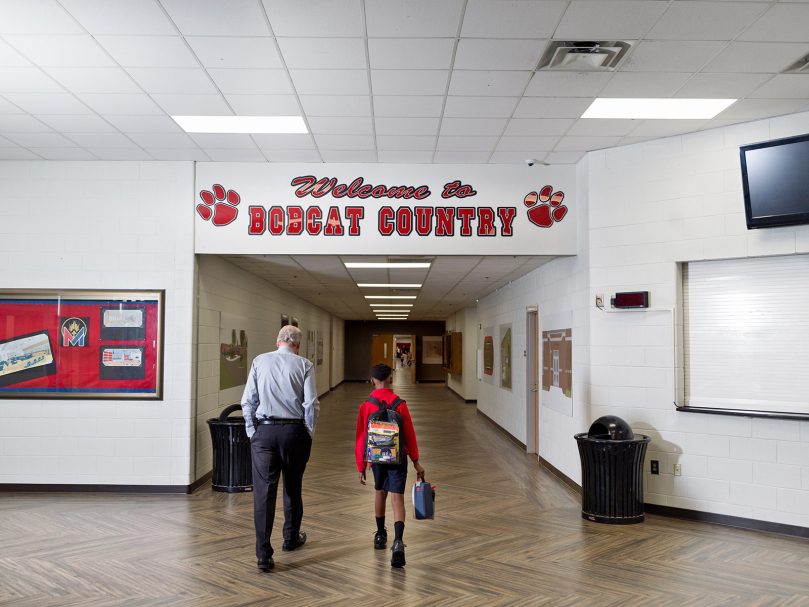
[380, 539]
[397, 558]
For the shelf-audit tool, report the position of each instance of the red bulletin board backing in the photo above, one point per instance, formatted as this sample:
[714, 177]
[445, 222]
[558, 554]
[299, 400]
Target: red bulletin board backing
[81, 344]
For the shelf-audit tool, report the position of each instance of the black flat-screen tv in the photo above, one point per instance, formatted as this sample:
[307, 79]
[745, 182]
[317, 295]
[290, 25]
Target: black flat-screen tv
[775, 177]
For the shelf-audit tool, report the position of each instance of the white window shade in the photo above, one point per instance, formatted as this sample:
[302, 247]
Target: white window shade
[746, 334]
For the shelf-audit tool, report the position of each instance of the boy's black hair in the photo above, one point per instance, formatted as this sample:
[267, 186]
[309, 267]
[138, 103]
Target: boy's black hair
[381, 372]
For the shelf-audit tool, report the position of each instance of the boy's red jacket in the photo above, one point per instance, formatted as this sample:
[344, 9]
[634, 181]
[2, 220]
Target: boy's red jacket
[408, 434]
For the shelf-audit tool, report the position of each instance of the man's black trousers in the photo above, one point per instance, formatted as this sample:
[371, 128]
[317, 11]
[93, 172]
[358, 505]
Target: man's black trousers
[278, 449]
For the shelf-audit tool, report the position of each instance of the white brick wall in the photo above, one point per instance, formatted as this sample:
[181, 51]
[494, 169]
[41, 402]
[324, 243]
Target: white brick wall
[131, 227]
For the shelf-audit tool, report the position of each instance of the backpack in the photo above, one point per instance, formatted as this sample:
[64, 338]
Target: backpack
[382, 438]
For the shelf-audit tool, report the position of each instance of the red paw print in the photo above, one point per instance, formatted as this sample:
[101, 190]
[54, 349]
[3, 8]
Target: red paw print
[220, 204]
[545, 215]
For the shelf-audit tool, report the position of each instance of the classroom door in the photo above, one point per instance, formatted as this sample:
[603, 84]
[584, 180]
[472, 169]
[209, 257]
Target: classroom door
[382, 349]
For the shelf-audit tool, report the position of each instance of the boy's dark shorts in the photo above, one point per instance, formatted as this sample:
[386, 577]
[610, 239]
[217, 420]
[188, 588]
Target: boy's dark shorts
[390, 477]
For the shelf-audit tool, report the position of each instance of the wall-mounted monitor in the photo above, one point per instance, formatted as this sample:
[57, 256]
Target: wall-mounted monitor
[775, 177]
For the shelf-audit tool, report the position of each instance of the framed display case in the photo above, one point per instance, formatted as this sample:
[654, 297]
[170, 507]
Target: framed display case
[453, 353]
[74, 343]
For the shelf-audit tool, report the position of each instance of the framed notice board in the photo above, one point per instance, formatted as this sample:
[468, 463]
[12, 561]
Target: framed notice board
[81, 344]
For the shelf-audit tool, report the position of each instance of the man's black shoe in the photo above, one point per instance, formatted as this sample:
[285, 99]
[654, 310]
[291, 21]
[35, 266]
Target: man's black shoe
[265, 565]
[397, 558]
[380, 539]
[292, 545]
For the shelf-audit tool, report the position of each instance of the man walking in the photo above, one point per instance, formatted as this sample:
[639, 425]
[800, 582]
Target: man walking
[280, 409]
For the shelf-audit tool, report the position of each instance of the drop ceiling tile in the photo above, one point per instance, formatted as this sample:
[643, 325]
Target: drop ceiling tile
[409, 82]
[144, 124]
[409, 143]
[465, 144]
[149, 51]
[489, 83]
[39, 140]
[94, 79]
[757, 57]
[584, 144]
[497, 19]
[644, 84]
[526, 144]
[217, 18]
[36, 17]
[344, 142]
[754, 109]
[333, 18]
[341, 125]
[43, 103]
[323, 53]
[415, 106]
[456, 157]
[589, 127]
[783, 86]
[330, 82]
[65, 153]
[721, 86]
[537, 127]
[26, 80]
[223, 141]
[235, 52]
[235, 155]
[782, 22]
[420, 54]
[193, 105]
[251, 81]
[688, 20]
[473, 126]
[599, 20]
[483, 54]
[287, 142]
[121, 104]
[101, 140]
[574, 84]
[552, 107]
[513, 158]
[416, 18]
[162, 140]
[88, 123]
[173, 80]
[670, 56]
[120, 17]
[292, 155]
[480, 107]
[10, 57]
[264, 105]
[17, 153]
[406, 126]
[61, 51]
[336, 105]
[21, 123]
[179, 154]
[666, 128]
[132, 153]
[348, 156]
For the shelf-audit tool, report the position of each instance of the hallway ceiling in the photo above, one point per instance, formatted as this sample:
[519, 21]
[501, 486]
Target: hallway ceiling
[422, 81]
[453, 282]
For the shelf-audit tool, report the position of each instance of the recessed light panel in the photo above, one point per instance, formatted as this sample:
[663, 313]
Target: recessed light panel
[390, 297]
[395, 285]
[657, 109]
[401, 265]
[241, 124]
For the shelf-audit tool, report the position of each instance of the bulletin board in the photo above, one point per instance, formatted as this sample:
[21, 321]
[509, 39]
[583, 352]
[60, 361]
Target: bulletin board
[81, 344]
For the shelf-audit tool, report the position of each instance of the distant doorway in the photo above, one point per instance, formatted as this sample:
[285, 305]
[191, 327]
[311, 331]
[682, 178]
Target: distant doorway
[404, 360]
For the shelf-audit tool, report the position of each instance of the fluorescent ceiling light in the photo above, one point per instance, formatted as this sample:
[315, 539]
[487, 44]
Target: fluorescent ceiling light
[352, 264]
[391, 317]
[397, 285]
[395, 311]
[649, 109]
[390, 297]
[398, 305]
[241, 124]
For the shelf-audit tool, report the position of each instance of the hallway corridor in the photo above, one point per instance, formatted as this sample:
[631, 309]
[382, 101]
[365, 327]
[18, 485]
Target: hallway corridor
[506, 532]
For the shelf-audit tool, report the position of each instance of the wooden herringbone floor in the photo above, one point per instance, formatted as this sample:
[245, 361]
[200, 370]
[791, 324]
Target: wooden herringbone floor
[506, 533]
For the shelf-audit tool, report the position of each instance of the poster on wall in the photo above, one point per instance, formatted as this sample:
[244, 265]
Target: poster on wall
[81, 344]
[488, 352]
[505, 356]
[311, 337]
[233, 361]
[358, 209]
[557, 370]
[319, 348]
[432, 350]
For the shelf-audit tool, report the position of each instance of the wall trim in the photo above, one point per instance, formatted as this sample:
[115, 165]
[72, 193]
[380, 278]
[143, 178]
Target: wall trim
[458, 394]
[34, 488]
[508, 434]
[200, 481]
[571, 484]
[727, 520]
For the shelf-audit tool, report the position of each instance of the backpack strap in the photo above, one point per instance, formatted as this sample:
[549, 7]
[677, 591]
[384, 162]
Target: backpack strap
[395, 403]
[383, 405]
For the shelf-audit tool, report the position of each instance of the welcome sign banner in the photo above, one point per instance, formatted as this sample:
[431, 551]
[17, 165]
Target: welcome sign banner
[384, 209]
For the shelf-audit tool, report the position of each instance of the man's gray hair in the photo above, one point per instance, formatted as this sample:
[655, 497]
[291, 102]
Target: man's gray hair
[290, 335]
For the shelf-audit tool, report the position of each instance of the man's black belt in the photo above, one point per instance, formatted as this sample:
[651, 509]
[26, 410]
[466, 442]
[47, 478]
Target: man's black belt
[280, 421]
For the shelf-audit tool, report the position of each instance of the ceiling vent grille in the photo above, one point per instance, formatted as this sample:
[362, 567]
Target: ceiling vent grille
[801, 66]
[600, 55]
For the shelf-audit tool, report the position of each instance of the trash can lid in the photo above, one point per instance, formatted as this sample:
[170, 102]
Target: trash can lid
[611, 427]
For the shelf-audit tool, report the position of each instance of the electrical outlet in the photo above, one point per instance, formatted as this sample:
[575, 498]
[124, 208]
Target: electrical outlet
[599, 300]
[655, 467]
[678, 469]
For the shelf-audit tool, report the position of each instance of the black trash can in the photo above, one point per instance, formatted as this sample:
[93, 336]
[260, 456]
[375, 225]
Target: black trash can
[612, 472]
[232, 462]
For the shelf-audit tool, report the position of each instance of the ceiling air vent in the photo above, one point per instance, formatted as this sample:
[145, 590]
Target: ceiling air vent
[584, 56]
[801, 66]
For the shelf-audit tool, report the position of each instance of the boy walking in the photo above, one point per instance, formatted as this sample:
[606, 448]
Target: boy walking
[388, 478]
